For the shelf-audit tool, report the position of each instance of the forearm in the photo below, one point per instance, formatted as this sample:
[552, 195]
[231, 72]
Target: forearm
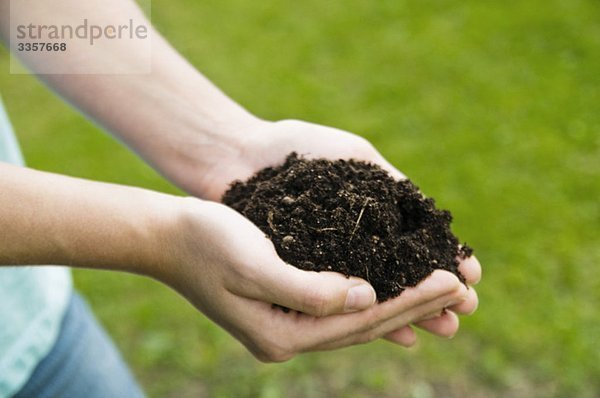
[174, 117]
[51, 219]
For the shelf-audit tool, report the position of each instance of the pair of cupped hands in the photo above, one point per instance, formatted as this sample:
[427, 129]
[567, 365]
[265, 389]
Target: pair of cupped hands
[230, 271]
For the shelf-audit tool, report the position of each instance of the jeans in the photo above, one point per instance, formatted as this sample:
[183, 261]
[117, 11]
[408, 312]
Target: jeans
[84, 362]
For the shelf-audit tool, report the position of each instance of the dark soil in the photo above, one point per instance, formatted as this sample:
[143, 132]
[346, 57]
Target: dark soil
[351, 217]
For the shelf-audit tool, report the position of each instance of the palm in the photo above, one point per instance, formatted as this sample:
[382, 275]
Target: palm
[270, 143]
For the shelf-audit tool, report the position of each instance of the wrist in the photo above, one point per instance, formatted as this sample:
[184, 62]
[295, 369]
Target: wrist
[197, 163]
[124, 230]
[177, 238]
[158, 226]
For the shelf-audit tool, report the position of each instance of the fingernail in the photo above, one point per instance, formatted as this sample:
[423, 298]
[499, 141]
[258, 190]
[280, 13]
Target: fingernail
[360, 297]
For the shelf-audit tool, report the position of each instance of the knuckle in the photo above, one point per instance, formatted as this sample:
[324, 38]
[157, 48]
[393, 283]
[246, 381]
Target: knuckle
[272, 351]
[375, 318]
[274, 355]
[244, 277]
[316, 302]
[371, 329]
[460, 292]
[368, 336]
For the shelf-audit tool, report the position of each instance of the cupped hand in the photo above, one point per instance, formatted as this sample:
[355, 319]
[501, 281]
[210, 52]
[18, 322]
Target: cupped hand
[445, 323]
[265, 144]
[225, 266]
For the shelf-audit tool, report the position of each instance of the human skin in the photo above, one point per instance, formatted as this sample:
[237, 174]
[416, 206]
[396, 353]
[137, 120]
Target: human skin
[201, 140]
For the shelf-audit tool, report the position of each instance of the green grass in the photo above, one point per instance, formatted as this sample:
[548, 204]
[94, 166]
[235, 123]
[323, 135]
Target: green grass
[491, 107]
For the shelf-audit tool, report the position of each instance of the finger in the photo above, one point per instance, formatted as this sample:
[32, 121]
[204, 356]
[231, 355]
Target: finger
[444, 325]
[468, 306]
[377, 326]
[405, 336]
[416, 314]
[390, 326]
[471, 269]
[295, 332]
[314, 293]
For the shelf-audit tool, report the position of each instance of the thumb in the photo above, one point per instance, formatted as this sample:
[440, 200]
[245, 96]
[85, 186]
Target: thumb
[314, 293]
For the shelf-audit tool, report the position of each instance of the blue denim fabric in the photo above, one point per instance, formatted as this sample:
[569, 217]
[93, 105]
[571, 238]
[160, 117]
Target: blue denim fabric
[83, 363]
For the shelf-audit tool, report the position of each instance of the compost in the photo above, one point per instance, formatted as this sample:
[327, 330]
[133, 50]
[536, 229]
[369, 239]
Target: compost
[350, 217]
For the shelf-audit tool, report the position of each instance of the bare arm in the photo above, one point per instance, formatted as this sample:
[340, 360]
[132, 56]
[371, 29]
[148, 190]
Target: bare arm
[51, 219]
[202, 140]
[173, 117]
[212, 256]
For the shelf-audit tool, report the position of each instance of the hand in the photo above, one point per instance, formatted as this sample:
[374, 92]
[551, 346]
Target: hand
[228, 269]
[264, 144]
[268, 143]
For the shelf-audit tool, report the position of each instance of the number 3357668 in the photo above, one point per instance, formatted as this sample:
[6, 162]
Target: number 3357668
[42, 47]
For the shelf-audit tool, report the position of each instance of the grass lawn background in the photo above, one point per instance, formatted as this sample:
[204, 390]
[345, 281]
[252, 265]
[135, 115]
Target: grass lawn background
[490, 107]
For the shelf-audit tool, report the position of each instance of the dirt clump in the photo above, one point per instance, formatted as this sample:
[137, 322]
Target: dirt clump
[350, 217]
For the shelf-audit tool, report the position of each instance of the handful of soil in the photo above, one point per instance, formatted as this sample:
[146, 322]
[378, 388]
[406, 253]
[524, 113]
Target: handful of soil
[351, 217]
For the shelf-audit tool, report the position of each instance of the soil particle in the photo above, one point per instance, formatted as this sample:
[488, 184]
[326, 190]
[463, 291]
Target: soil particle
[351, 217]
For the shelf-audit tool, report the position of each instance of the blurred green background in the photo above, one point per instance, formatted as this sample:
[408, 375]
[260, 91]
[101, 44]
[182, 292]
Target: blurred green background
[490, 107]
